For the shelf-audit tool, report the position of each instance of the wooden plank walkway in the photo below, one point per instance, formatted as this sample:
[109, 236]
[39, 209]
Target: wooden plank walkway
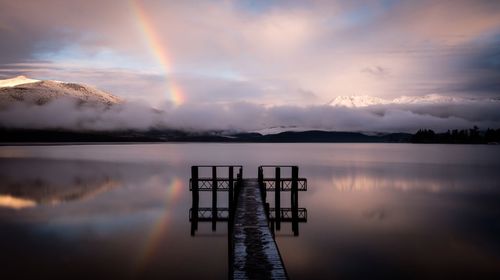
[256, 255]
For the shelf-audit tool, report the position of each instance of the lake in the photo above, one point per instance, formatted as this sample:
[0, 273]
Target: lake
[374, 211]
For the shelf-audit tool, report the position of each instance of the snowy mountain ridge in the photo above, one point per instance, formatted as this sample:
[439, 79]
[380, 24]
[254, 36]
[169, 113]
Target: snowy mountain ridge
[21, 89]
[355, 101]
[19, 80]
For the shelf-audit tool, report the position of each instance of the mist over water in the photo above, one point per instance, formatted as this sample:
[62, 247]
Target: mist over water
[235, 116]
[374, 210]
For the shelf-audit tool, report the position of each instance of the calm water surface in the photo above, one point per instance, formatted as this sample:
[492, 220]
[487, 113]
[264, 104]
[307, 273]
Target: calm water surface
[374, 211]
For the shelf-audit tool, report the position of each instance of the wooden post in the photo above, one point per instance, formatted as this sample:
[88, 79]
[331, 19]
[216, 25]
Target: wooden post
[231, 192]
[230, 222]
[294, 200]
[240, 177]
[194, 191]
[236, 189]
[262, 184]
[260, 175]
[214, 198]
[277, 204]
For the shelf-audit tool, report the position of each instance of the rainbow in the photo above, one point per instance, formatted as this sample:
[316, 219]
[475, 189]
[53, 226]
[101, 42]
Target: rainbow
[159, 229]
[159, 50]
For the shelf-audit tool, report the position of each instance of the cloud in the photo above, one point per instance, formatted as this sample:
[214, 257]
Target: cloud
[244, 116]
[34, 27]
[75, 117]
[319, 47]
[376, 71]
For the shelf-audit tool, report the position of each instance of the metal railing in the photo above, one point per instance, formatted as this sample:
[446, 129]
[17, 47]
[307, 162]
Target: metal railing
[285, 184]
[277, 184]
[230, 184]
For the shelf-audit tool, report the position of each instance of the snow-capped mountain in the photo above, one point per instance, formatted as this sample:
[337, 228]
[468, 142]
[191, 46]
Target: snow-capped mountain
[355, 101]
[39, 92]
[365, 101]
[19, 80]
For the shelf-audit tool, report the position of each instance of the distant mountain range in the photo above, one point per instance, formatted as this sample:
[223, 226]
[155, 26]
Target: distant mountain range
[30, 91]
[38, 93]
[467, 136]
[165, 135]
[22, 89]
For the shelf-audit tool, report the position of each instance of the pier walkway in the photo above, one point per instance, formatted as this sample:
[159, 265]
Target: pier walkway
[255, 254]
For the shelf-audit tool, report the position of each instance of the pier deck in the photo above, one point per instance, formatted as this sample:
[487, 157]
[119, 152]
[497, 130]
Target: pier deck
[255, 254]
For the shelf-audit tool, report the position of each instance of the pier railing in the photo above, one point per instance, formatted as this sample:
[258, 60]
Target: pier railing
[213, 184]
[229, 178]
[232, 184]
[277, 184]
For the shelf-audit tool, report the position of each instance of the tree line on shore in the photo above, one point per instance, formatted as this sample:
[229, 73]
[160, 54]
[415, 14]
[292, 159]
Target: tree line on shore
[455, 136]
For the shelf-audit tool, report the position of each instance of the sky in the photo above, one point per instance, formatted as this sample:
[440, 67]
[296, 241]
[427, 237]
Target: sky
[272, 56]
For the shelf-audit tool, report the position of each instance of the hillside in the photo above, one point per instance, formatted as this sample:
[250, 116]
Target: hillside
[35, 92]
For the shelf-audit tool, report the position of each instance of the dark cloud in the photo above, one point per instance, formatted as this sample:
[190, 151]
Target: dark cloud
[481, 70]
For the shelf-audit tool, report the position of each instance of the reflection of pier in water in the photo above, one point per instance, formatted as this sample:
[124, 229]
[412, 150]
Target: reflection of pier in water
[251, 222]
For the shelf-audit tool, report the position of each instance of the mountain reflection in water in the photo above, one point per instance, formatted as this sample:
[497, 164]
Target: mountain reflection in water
[31, 182]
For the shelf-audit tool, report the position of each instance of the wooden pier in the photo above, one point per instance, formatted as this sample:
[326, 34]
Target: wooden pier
[251, 222]
[256, 255]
